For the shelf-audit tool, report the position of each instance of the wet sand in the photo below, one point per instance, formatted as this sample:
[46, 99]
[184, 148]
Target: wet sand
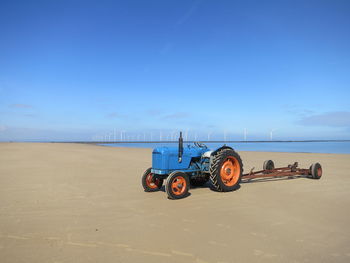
[85, 203]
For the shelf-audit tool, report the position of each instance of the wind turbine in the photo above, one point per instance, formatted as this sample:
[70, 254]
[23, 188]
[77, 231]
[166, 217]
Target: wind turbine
[245, 134]
[121, 135]
[209, 133]
[271, 134]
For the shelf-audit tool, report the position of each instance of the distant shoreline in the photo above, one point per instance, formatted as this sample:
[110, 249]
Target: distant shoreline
[202, 141]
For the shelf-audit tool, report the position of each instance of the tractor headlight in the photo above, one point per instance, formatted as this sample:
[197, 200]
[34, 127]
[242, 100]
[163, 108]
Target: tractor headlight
[156, 171]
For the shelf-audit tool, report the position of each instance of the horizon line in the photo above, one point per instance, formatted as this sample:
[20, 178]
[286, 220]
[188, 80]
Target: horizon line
[189, 141]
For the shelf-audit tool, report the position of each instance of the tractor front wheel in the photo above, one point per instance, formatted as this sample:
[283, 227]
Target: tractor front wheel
[177, 185]
[151, 183]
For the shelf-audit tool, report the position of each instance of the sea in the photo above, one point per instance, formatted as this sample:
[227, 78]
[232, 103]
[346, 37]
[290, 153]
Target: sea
[342, 147]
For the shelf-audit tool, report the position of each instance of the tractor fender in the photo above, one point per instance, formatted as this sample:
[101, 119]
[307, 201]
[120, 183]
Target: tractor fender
[221, 148]
[218, 149]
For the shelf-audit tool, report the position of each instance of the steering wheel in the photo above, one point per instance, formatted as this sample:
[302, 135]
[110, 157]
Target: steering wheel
[200, 145]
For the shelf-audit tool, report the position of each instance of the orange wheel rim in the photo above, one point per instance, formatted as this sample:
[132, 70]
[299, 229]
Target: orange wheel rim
[178, 185]
[319, 172]
[151, 183]
[230, 171]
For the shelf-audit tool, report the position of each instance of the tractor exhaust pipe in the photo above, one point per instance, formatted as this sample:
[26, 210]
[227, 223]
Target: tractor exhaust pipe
[181, 147]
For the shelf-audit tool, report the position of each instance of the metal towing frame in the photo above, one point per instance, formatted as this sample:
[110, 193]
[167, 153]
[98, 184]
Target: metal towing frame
[289, 171]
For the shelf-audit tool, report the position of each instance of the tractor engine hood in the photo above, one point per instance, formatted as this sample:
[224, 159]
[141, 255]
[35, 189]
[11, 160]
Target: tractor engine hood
[165, 159]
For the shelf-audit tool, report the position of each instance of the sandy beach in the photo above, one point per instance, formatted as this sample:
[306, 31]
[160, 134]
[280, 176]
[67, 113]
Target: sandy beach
[85, 203]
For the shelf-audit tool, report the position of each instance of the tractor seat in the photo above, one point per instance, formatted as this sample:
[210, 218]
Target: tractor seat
[206, 154]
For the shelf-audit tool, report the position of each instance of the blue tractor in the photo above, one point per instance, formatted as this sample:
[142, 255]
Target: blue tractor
[193, 165]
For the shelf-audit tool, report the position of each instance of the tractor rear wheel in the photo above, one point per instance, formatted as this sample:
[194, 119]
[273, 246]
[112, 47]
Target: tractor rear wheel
[226, 170]
[177, 185]
[151, 183]
[316, 171]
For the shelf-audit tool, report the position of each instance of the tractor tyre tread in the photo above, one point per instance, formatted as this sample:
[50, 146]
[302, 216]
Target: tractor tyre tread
[215, 170]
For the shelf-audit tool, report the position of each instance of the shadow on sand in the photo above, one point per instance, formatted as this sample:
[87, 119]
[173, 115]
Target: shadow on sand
[245, 181]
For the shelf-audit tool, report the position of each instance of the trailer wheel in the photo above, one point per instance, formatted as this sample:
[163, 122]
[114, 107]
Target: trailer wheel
[268, 165]
[177, 185]
[226, 170]
[151, 183]
[316, 171]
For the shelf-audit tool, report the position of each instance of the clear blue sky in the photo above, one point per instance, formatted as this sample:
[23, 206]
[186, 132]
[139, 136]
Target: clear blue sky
[77, 69]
